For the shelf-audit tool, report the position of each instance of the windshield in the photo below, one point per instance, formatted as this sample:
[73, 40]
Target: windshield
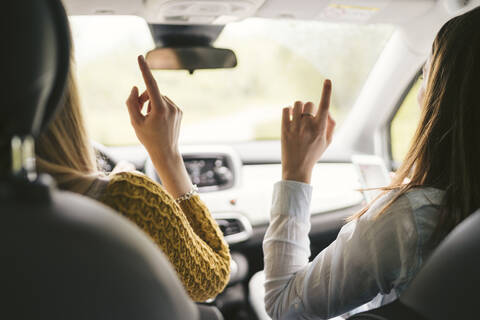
[279, 61]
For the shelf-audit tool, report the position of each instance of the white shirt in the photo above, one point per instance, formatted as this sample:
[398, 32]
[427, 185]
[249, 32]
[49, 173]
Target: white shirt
[372, 260]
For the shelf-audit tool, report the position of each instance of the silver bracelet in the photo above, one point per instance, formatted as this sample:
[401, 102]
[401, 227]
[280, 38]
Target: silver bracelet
[188, 195]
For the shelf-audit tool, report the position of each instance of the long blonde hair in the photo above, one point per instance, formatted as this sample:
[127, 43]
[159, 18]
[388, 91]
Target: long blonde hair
[445, 150]
[64, 150]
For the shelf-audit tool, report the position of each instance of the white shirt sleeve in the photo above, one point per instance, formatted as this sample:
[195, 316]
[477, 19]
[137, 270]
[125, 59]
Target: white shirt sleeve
[366, 258]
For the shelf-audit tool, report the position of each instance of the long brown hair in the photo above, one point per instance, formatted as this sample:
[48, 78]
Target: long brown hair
[64, 150]
[445, 150]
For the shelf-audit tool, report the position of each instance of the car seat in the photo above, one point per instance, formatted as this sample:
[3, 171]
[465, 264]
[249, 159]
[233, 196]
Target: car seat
[447, 285]
[63, 256]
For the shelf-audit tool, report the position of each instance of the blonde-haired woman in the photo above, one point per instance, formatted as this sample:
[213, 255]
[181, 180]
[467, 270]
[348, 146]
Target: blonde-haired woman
[378, 253]
[173, 215]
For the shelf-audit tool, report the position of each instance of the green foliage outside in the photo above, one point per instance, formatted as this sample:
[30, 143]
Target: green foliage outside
[279, 62]
[405, 123]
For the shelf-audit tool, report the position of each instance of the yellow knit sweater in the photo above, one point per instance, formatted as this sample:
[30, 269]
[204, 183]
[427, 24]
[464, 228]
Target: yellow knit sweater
[186, 233]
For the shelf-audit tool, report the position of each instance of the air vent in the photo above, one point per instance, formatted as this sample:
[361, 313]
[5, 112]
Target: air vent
[235, 227]
[230, 226]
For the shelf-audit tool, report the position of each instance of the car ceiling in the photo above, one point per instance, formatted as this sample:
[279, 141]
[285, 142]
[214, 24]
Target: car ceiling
[220, 11]
[421, 14]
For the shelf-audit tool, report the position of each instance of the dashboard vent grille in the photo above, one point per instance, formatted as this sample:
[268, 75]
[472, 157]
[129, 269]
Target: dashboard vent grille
[235, 227]
[230, 226]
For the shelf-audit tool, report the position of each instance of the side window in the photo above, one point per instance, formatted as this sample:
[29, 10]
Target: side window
[404, 123]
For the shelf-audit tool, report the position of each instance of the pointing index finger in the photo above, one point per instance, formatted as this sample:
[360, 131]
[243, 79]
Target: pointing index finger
[150, 82]
[322, 112]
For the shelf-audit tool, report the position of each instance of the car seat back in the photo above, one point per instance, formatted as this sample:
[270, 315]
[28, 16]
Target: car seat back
[63, 256]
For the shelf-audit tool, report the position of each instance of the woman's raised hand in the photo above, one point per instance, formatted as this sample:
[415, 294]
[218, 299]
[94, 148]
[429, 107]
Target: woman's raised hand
[158, 131]
[159, 128]
[306, 134]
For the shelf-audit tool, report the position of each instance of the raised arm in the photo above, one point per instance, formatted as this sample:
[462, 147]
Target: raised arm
[186, 233]
[366, 259]
[306, 133]
[158, 130]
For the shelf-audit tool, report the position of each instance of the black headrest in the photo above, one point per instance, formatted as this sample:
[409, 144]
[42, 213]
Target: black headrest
[34, 64]
[73, 259]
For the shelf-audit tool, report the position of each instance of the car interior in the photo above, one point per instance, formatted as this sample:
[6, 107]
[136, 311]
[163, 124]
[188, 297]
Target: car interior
[231, 65]
[65, 256]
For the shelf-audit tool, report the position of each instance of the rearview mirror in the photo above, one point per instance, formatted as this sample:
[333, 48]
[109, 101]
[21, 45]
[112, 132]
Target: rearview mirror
[190, 58]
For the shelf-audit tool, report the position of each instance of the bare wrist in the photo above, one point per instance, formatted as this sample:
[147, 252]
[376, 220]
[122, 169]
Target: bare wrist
[172, 173]
[297, 175]
[165, 158]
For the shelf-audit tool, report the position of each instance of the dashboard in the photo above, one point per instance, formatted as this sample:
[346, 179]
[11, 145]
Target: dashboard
[239, 193]
[208, 171]
[228, 186]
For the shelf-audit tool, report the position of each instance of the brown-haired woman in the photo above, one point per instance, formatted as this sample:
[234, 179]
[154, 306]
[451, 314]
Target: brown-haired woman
[174, 217]
[381, 249]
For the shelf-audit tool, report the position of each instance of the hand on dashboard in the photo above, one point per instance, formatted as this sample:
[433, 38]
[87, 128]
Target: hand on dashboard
[158, 130]
[306, 134]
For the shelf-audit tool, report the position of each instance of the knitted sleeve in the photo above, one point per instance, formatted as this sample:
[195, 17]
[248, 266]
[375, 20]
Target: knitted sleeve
[188, 235]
